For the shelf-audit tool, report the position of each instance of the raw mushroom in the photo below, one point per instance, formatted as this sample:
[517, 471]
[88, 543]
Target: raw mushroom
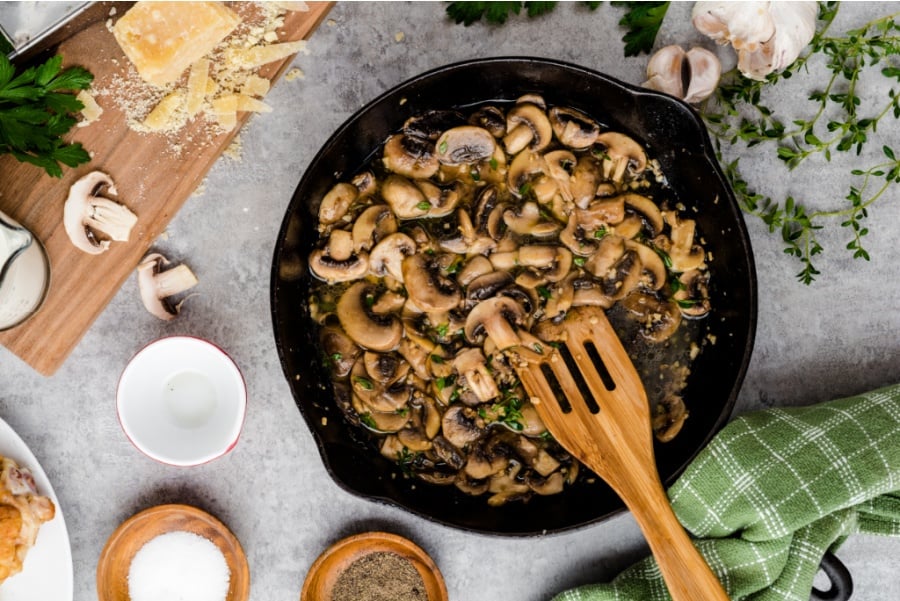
[85, 211]
[157, 285]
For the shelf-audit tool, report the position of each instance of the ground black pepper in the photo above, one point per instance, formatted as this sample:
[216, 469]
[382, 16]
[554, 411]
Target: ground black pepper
[380, 576]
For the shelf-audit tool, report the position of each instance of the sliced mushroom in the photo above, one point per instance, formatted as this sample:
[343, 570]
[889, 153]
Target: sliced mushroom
[462, 425]
[410, 156]
[529, 221]
[585, 180]
[487, 459]
[86, 211]
[669, 417]
[546, 485]
[526, 167]
[654, 269]
[506, 486]
[431, 124]
[387, 256]
[365, 183]
[647, 210]
[384, 368]
[527, 125]
[427, 286]
[486, 286]
[573, 236]
[497, 317]
[448, 453]
[623, 276]
[340, 351]
[377, 332]
[476, 266]
[330, 269]
[659, 318]
[372, 225]
[490, 118]
[471, 365]
[465, 145]
[573, 128]
[601, 213]
[685, 255]
[157, 285]
[337, 202]
[622, 154]
[693, 293]
[339, 245]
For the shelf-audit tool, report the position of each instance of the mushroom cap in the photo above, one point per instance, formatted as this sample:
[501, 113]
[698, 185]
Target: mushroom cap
[328, 268]
[660, 318]
[526, 116]
[573, 128]
[623, 152]
[405, 198]
[410, 156]
[387, 256]
[465, 144]
[490, 118]
[427, 287]
[84, 209]
[495, 316]
[156, 285]
[336, 202]
[373, 224]
[377, 332]
[431, 124]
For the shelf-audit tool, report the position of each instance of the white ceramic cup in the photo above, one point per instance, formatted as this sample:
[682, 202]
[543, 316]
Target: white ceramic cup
[181, 400]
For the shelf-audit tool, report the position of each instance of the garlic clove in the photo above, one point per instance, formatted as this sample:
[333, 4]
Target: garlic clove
[745, 25]
[665, 71]
[705, 70]
[795, 28]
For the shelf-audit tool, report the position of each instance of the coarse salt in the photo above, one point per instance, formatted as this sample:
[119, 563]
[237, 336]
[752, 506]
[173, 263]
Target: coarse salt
[178, 566]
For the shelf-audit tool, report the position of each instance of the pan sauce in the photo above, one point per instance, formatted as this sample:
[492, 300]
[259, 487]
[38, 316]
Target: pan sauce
[515, 213]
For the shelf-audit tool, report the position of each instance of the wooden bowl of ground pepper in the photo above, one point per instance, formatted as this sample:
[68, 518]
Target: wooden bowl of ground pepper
[374, 566]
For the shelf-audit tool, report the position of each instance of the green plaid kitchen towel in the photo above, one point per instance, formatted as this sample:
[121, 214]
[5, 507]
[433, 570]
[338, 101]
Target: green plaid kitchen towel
[774, 491]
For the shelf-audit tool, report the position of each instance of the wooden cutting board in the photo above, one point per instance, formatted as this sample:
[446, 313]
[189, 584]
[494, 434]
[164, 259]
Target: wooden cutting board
[152, 180]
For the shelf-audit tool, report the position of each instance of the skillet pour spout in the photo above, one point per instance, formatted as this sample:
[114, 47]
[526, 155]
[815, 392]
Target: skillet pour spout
[673, 135]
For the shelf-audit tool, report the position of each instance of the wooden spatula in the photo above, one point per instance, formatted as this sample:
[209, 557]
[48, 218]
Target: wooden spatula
[607, 427]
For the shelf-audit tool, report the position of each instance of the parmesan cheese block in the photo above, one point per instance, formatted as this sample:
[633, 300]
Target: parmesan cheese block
[163, 39]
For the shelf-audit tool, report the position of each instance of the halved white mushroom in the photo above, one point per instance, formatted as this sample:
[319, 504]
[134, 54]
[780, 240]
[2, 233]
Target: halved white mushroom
[623, 154]
[336, 203]
[378, 332]
[373, 224]
[157, 285]
[573, 128]
[465, 145]
[410, 156]
[387, 256]
[86, 212]
[527, 125]
[471, 365]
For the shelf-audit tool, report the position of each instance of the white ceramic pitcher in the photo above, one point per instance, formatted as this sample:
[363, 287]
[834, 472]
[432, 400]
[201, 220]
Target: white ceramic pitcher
[24, 273]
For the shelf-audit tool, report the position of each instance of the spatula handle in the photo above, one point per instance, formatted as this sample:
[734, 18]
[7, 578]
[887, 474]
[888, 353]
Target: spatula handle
[687, 575]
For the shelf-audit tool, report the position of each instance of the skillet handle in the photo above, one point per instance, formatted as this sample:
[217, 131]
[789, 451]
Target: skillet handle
[841, 582]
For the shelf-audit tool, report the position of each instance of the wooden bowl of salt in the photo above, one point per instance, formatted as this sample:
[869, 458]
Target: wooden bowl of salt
[377, 566]
[174, 546]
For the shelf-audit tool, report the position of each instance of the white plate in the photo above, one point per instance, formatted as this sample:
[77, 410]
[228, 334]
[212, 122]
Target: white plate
[47, 572]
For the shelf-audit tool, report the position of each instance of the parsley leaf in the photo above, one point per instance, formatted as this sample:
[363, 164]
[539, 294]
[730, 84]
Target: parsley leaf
[496, 13]
[35, 108]
[643, 20]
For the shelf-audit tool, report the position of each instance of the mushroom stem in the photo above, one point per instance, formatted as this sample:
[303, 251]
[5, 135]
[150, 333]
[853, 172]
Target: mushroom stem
[157, 286]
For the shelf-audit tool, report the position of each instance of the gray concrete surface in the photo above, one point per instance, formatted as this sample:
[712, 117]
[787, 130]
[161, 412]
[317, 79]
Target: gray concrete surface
[837, 337]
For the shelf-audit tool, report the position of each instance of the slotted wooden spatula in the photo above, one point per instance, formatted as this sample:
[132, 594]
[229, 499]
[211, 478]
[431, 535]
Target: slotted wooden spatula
[608, 428]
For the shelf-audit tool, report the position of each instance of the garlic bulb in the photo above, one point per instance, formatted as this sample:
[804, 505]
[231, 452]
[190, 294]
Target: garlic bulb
[768, 36]
[691, 76]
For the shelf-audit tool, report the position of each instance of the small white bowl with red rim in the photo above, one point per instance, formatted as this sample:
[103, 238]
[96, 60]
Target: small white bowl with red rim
[181, 400]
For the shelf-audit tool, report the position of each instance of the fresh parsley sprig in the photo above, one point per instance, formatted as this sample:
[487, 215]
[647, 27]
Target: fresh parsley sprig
[36, 109]
[643, 20]
[496, 13]
[739, 115]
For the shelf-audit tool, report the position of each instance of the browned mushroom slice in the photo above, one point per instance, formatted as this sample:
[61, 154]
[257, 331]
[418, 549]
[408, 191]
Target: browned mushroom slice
[546, 485]
[497, 317]
[446, 452]
[471, 486]
[471, 365]
[336, 203]
[410, 156]
[573, 128]
[527, 125]
[490, 118]
[462, 425]
[506, 486]
[659, 318]
[693, 294]
[340, 351]
[465, 145]
[585, 179]
[330, 269]
[669, 417]
[431, 124]
[528, 220]
[377, 332]
[427, 286]
[654, 269]
[622, 154]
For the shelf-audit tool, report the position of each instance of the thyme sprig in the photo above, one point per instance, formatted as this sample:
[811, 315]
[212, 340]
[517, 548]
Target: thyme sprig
[738, 114]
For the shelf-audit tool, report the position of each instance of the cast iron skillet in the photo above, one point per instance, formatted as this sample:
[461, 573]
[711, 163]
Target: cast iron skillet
[672, 133]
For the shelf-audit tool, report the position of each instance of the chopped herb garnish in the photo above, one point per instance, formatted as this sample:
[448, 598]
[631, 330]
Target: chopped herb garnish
[538, 348]
[600, 233]
[437, 359]
[493, 163]
[475, 175]
[442, 147]
[579, 261]
[544, 292]
[364, 383]
[424, 205]
[368, 420]
[442, 329]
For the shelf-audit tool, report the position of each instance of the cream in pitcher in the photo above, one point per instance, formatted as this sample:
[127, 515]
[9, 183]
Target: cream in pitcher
[24, 273]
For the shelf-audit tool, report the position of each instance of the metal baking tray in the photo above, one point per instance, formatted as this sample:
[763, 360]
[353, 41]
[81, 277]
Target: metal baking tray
[24, 24]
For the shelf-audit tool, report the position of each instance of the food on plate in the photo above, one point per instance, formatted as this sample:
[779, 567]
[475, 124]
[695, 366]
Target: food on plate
[157, 284]
[22, 511]
[498, 219]
[87, 212]
[163, 39]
